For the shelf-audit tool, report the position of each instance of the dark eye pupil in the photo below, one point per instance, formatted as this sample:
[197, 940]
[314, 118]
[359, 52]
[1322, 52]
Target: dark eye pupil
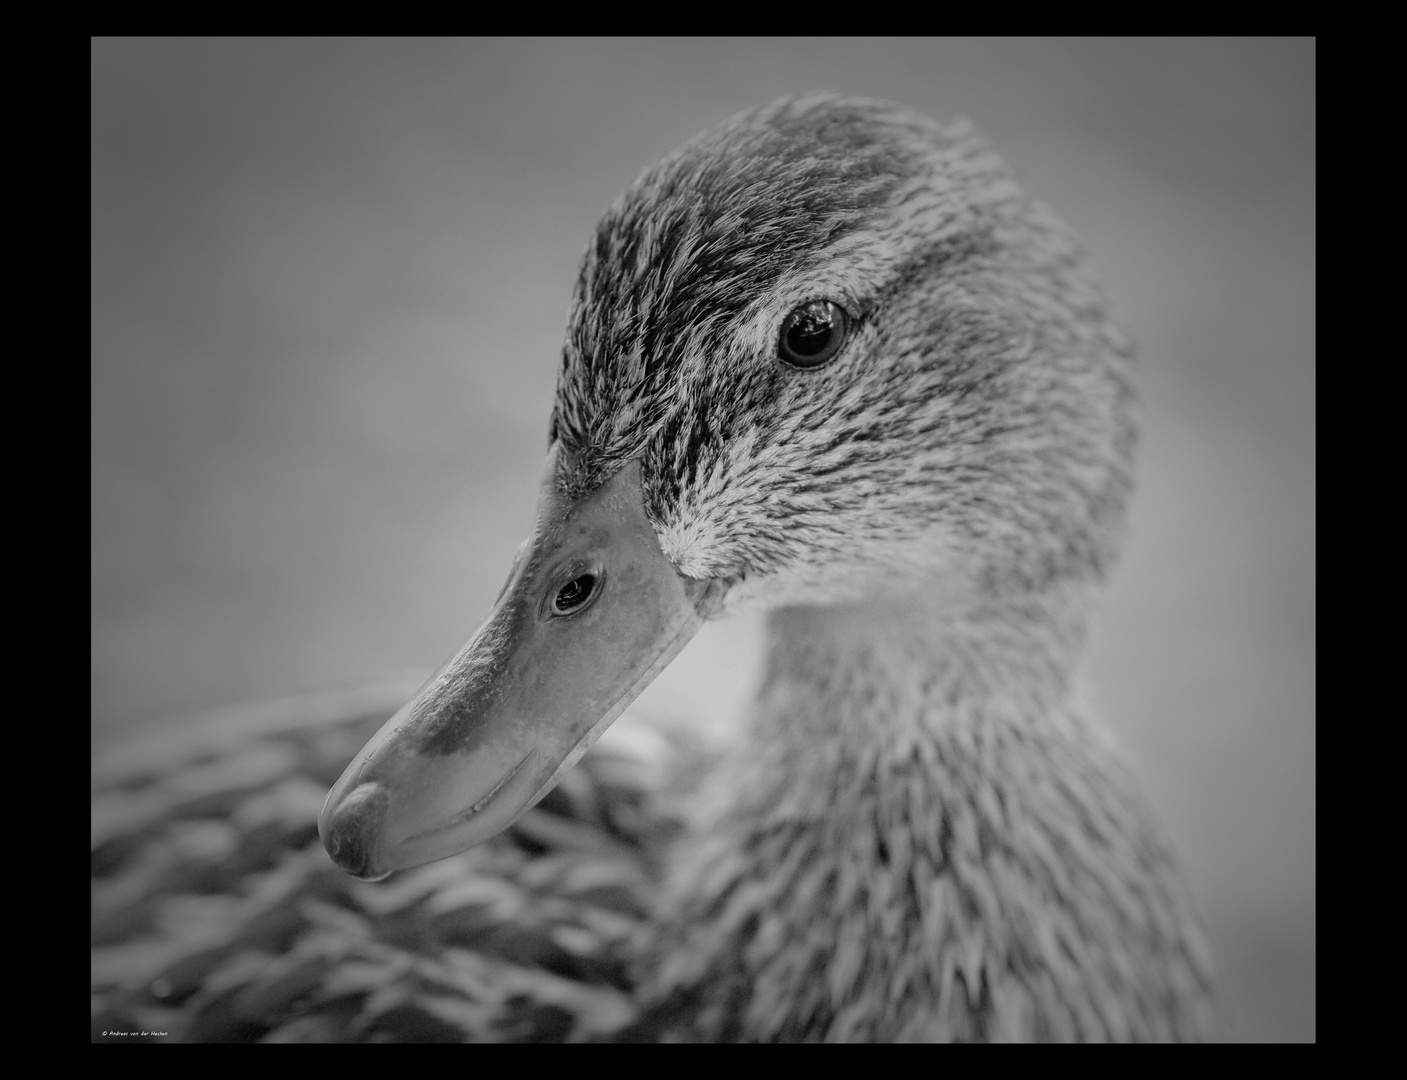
[574, 593]
[812, 334]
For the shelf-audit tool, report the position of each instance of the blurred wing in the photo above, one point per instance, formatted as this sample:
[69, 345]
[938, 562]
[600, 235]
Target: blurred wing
[218, 916]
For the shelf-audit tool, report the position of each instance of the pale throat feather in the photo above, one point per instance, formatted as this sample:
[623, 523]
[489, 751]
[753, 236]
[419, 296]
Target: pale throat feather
[921, 793]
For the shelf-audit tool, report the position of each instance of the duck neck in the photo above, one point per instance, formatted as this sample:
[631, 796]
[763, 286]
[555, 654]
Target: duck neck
[882, 681]
[920, 810]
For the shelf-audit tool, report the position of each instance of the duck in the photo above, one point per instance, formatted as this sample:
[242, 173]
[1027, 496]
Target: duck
[829, 361]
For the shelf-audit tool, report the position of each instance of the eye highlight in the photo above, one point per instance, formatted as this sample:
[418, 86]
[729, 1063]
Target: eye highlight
[812, 334]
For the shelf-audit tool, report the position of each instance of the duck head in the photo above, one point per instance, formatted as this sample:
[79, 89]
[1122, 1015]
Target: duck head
[824, 353]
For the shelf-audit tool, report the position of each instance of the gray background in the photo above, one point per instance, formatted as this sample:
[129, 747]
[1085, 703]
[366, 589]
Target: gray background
[329, 285]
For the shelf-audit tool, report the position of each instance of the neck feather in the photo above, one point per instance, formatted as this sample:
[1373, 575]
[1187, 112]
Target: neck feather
[923, 836]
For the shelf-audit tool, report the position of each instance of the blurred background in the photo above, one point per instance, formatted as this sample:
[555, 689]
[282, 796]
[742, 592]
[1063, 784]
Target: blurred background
[329, 283]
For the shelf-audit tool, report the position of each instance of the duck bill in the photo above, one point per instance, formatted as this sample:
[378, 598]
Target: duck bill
[591, 612]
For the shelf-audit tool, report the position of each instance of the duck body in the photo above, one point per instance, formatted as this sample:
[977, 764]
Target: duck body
[830, 360]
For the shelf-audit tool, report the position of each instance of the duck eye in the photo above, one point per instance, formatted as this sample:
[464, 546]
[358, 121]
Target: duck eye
[812, 334]
[574, 595]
